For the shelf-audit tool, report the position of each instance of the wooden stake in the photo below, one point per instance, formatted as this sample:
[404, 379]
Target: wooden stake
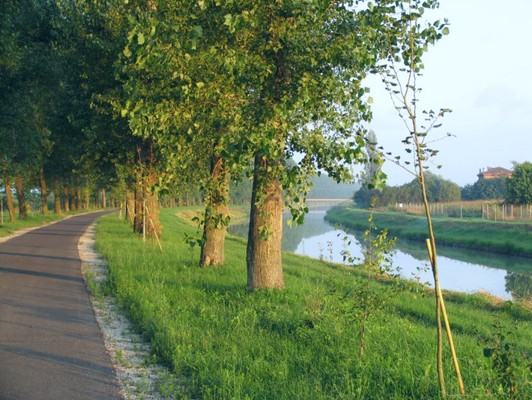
[154, 230]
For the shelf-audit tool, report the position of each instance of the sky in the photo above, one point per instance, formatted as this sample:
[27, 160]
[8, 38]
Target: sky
[482, 71]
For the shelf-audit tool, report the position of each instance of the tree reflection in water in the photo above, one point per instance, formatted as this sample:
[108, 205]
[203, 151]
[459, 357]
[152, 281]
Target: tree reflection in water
[519, 285]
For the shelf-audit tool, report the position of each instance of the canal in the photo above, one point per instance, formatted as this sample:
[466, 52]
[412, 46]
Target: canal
[461, 270]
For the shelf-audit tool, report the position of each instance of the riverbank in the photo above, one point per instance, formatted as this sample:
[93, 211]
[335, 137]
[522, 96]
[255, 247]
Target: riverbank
[299, 343]
[514, 239]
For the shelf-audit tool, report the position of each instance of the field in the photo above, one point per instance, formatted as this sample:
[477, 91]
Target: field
[224, 342]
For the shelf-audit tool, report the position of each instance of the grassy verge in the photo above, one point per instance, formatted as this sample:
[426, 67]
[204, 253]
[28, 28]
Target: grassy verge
[499, 237]
[238, 213]
[300, 343]
[8, 228]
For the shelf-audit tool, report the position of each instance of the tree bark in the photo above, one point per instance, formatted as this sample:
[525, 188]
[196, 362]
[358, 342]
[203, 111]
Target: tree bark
[79, 204]
[44, 193]
[153, 225]
[66, 198]
[216, 216]
[264, 261]
[147, 206]
[72, 194]
[87, 198]
[9, 198]
[22, 204]
[57, 196]
[130, 206]
[139, 208]
[104, 199]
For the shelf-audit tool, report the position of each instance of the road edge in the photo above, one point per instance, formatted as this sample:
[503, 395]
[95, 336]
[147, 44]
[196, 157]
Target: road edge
[138, 376]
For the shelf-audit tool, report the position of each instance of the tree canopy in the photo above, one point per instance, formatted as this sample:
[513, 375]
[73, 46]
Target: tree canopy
[485, 189]
[438, 190]
[519, 185]
[144, 96]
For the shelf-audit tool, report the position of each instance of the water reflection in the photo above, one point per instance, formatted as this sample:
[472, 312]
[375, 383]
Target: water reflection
[460, 269]
[519, 285]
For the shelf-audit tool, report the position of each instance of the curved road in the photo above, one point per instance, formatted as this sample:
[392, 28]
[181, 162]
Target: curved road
[50, 344]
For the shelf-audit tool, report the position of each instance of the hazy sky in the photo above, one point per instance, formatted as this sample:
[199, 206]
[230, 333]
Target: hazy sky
[482, 71]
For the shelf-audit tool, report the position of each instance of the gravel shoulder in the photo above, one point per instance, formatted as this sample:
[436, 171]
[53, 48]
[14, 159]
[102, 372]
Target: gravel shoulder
[139, 377]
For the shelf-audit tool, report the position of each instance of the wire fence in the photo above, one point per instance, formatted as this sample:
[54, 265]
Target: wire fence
[489, 210]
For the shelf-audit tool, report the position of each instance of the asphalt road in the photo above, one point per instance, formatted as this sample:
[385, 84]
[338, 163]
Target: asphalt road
[50, 344]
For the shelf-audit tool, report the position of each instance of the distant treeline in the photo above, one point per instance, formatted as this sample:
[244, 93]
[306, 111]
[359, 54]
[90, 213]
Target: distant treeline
[325, 187]
[485, 189]
[438, 190]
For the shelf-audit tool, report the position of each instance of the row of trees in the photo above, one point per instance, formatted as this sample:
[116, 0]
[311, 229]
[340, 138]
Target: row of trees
[141, 97]
[514, 190]
[485, 189]
[438, 190]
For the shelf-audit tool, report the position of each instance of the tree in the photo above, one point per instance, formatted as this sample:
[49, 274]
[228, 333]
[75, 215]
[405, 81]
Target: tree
[409, 38]
[438, 190]
[303, 66]
[254, 83]
[27, 86]
[372, 168]
[519, 185]
[485, 189]
[98, 147]
[176, 93]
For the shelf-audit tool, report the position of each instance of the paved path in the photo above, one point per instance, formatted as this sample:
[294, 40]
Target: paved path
[50, 343]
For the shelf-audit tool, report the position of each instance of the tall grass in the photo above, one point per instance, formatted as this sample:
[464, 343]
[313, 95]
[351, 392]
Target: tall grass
[300, 343]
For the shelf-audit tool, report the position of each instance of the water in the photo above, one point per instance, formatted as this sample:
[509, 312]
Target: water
[461, 270]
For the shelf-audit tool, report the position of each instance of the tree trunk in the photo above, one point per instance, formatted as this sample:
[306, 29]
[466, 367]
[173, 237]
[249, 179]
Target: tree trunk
[139, 209]
[104, 199]
[66, 198]
[22, 204]
[57, 196]
[153, 225]
[87, 198]
[264, 262]
[72, 195]
[9, 198]
[130, 206]
[78, 196]
[147, 207]
[44, 193]
[216, 216]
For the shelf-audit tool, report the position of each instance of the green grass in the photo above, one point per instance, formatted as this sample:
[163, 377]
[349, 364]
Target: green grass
[300, 343]
[35, 220]
[506, 238]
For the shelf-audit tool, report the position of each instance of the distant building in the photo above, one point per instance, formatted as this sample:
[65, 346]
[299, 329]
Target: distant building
[494, 173]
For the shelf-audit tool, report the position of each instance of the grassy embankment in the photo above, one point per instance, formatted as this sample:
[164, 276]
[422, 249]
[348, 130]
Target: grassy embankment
[511, 238]
[300, 343]
[35, 220]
